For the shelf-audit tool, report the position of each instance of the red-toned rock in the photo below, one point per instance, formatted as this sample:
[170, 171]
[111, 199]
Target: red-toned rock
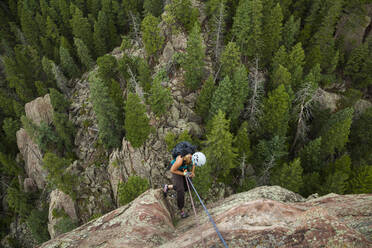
[262, 217]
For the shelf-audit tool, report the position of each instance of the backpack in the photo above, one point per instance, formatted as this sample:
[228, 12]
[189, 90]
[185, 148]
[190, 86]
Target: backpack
[183, 148]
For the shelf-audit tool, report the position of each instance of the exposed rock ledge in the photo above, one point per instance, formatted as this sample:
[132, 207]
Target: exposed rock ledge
[257, 218]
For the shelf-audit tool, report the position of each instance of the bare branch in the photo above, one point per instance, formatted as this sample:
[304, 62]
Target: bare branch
[253, 111]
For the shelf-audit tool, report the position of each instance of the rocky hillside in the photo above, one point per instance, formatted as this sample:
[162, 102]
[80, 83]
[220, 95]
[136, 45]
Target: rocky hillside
[262, 217]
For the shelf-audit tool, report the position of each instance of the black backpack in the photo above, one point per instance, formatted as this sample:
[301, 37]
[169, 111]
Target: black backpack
[183, 148]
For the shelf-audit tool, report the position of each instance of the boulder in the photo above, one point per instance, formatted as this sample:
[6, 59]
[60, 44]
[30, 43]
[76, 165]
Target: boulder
[59, 201]
[179, 41]
[328, 100]
[145, 222]
[262, 217]
[40, 110]
[352, 28]
[167, 54]
[29, 185]
[361, 106]
[33, 158]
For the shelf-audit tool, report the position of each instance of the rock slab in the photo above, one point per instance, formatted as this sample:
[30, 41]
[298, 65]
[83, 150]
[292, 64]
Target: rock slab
[262, 217]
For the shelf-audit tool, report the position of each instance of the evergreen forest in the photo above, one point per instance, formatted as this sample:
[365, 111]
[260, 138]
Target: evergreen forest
[258, 68]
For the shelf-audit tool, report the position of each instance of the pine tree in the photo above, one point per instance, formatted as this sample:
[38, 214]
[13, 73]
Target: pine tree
[136, 122]
[338, 174]
[58, 175]
[67, 63]
[204, 99]
[110, 129]
[280, 76]
[272, 32]
[359, 65]
[335, 133]
[29, 26]
[247, 28]
[151, 35]
[274, 121]
[10, 127]
[194, 59]
[230, 60]
[361, 182]
[154, 7]
[217, 10]
[81, 27]
[144, 75]
[323, 38]
[240, 92]
[291, 31]
[244, 151]
[267, 155]
[219, 148]
[182, 12]
[280, 58]
[83, 53]
[65, 130]
[222, 97]
[101, 34]
[58, 101]
[296, 61]
[311, 156]
[160, 98]
[107, 67]
[361, 138]
[289, 176]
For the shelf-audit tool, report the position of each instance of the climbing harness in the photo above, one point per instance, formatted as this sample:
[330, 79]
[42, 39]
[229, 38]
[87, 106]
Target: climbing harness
[188, 180]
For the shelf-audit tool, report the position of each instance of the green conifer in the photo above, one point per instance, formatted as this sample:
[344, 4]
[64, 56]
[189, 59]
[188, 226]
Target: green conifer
[110, 128]
[83, 53]
[136, 121]
[335, 133]
[219, 148]
[160, 98]
[272, 32]
[151, 35]
[194, 59]
[247, 28]
[291, 31]
[67, 63]
[230, 60]
[205, 97]
[289, 176]
[274, 120]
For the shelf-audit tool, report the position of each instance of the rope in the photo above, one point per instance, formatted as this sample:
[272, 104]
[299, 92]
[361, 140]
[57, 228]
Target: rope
[193, 206]
[206, 210]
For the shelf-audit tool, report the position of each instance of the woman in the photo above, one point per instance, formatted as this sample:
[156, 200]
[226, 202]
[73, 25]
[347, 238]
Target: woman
[183, 166]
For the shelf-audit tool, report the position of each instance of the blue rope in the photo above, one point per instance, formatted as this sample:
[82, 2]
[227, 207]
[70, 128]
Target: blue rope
[210, 217]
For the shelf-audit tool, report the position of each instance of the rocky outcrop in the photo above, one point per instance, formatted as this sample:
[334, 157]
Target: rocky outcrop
[146, 222]
[353, 28]
[328, 100]
[59, 201]
[33, 158]
[262, 217]
[40, 110]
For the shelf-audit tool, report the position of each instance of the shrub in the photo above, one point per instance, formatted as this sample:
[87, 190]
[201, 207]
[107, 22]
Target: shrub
[130, 190]
[37, 222]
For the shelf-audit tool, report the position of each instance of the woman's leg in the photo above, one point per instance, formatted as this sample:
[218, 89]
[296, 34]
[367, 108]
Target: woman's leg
[178, 185]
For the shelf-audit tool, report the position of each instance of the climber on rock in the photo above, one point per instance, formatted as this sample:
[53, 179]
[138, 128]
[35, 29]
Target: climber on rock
[183, 164]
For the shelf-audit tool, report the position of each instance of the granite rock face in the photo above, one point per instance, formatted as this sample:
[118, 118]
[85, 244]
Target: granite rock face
[262, 217]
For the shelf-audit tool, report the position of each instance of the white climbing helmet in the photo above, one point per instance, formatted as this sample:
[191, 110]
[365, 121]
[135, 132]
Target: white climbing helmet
[198, 159]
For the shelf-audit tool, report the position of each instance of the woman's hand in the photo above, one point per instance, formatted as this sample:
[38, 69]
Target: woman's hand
[192, 175]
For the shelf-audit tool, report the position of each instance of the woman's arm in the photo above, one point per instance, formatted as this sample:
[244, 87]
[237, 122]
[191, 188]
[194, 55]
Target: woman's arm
[176, 165]
[193, 171]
